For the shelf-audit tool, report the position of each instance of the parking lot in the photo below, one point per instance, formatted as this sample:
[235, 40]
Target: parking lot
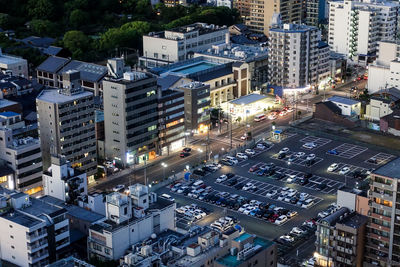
[323, 196]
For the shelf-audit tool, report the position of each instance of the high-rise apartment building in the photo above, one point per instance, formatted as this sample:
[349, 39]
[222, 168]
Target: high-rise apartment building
[356, 27]
[294, 57]
[262, 13]
[130, 114]
[32, 232]
[66, 124]
[22, 154]
[383, 240]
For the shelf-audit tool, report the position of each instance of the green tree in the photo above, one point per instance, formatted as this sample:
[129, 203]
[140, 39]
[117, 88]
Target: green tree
[41, 9]
[77, 18]
[4, 20]
[43, 27]
[77, 43]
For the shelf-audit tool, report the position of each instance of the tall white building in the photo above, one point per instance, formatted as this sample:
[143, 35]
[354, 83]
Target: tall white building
[22, 154]
[295, 59]
[356, 27]
[64, 182]
[163, 48]
[66, 124]
[129, 219]
[32, 232]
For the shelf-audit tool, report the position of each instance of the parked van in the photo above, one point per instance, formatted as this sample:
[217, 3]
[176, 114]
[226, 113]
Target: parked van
[198, 193]
[308, 203]
[259, 117]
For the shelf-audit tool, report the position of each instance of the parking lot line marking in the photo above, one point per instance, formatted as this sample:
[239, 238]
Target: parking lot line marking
[381, 158]
[244, 165]
[349, 151]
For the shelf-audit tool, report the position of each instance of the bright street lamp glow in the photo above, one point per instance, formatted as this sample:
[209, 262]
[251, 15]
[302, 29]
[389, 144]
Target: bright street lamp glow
[200, 150]
[187, 167]
[163, 164]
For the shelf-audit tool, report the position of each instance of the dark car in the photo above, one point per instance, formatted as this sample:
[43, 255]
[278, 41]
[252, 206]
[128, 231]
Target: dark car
[279, 176]
[230, 203]
[209, 196]
[307, 175]
[232, 182]
[320, 187]
[239, 186]
[186, 149]
[303, 181]
[199, 172]
[260, 172]
[270, 172]
[282, 156]
[229, 175]
[260, 213]
[373, 160]
[187, 191]
[184, 154]
[294, 200]
[310, 162]
[360, 175]
[283, 211]
[214, 198]
[267, 214]
[333, 152]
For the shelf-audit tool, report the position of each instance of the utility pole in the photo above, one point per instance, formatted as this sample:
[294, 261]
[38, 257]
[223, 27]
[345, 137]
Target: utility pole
[230, 118]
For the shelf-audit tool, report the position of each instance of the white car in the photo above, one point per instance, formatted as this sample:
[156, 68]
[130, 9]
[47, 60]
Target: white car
[281, 219]
[282, 196]
[201, 213]
[248, 186]
[284, 150]
[333, 167]
[311, 157]
[292, 191]
[303, 196]
[118, 188]
[260, 146]
[233, 159]
[287, 238]
[344, 170]
[248, 210]
[181, 210]
[285, 188]
[300, 154]
[272, 117]
[297, 231]
[243, 137]
[322, 214]
[242, 208]
[291, 214]
[291, 178]
[222, 178]
[181, 189]
[310, 145]
[272, 193]
[242, 156]
[250, 151]
[255, 203]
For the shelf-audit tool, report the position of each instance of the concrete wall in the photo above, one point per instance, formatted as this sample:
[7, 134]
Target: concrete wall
[346, 199]
[377, 78]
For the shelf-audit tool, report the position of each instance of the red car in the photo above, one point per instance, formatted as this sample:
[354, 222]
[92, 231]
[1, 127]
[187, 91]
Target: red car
[254, 167]
[184, 154]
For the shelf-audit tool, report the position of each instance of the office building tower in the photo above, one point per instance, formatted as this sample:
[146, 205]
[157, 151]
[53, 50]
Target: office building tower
[66, 125]
[22, 154]
[356, 27]
[130, 114]
[263, 13]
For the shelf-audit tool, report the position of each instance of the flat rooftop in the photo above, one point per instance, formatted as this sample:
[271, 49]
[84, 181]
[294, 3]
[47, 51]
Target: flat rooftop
[343, 100]
[232, 261]
[248, 99]
[390, 169]
[354, 220]
[53, 96]
[6, 103]
[22, 219]
[7, 59]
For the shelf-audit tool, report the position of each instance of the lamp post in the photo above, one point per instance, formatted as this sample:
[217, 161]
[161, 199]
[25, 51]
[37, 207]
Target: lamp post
[164, 165]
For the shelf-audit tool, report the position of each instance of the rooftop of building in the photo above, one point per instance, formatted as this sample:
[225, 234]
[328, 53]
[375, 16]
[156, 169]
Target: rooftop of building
[343, 100]
[333, 218]
[21, 218]
[54, 96]
[390, 169]
[53, 64]
[391, 94]
[354, 220]
[73, 210]
[191, 68]
[6, 103]
[70, 262]
[248, 99]
[167, 81]
[38, 41]
[232, 260]
[292, 28]
[24, 142]
[111, 226]
[9, 59]
[7, 81]
[9, 114]
[40, 207]
[202, 28]
[237, 52]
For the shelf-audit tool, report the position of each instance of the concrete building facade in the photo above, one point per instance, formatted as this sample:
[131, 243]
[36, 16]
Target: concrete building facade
[356, 27]
[177, 44]
[66, 125]
[13, 65]
[130, 115]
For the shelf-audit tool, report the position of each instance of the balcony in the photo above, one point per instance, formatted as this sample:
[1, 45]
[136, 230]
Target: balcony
[34, 236]
[380, 227]
[32, 248]
[378, 237]
[381, 217]
[38, 256]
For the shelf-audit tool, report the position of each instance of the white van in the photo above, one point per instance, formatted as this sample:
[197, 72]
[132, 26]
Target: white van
[168, 197]
[217, 225]
[197, 184]
[308, 203]
[259, 117]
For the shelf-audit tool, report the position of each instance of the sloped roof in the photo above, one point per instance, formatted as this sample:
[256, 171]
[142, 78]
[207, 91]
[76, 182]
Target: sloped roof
[52, 64]
[167, 81]
[331, 106]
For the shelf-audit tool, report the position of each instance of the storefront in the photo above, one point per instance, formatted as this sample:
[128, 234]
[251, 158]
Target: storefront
[246, 107]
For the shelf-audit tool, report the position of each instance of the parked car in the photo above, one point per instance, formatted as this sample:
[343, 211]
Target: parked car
[310, 145]
[344, 170]
[333, 152]
[232, 182]
[282, 155]
[249, 186]
[291, 214]
[221, 179]
[284, 150]
[281, 219]
[233, 159]
[311, 157]
[227, 162]
[271, 193]
[118, 188]
[260, 146]
[242, 156]
[300, 154]
[333, 167]
[249, 151]
[292, 158]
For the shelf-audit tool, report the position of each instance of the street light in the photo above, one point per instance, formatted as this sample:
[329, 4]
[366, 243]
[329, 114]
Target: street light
[164, 165]
[187, 167]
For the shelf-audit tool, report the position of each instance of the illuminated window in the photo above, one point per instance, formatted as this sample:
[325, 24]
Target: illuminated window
[3, 179]
[152, 92]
